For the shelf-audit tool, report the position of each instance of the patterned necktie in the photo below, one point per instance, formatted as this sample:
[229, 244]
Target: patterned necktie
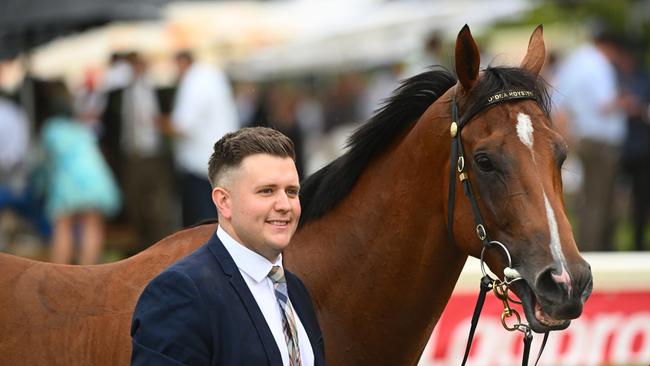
[288, 322]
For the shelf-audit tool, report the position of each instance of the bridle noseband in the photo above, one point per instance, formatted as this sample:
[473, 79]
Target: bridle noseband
[501, 287]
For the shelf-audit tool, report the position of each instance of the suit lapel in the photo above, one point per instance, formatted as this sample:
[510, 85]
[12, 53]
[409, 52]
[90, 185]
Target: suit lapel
[237, 282]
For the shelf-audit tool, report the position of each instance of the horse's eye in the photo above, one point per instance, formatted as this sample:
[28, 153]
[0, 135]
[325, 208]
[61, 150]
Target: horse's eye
[484, 163]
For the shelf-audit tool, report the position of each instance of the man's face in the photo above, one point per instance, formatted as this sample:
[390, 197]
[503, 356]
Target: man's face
[262, 205]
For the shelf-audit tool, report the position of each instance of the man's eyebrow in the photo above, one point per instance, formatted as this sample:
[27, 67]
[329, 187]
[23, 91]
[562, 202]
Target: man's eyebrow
[275, 185]
[266, 185]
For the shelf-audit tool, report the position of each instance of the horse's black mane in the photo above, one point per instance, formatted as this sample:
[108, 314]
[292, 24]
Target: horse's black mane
[327, 187]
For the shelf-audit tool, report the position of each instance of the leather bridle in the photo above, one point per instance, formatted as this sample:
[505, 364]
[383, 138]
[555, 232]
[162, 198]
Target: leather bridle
[457, 165]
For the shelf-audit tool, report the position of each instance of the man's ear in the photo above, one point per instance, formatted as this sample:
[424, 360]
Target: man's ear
[222, 201]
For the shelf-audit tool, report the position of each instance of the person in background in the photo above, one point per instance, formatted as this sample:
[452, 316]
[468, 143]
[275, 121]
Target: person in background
[204, 110]
[431, 54]
[89, 101]
[119, 72]
[586, 100]
[14, 147]
[382, 82]
[143, 155]
[343, 102]
[118, 78]
[231, 302]
[635, 100]
[81, 190]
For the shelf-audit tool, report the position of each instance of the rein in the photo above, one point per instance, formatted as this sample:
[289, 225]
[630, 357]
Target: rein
[500, 287]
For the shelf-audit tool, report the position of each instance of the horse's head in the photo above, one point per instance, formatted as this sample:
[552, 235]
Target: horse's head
[513, 156]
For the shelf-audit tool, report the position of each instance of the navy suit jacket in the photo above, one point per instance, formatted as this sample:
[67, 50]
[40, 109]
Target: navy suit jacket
[200, 311]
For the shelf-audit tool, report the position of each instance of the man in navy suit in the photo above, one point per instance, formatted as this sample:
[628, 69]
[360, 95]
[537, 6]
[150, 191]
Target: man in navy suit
[227, 303]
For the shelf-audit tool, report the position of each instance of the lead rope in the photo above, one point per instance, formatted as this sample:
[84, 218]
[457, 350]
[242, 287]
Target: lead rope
[486, 286]
[541, 348]
[528, 340]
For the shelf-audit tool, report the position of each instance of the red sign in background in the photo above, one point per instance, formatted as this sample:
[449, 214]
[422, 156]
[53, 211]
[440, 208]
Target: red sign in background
[614, 329]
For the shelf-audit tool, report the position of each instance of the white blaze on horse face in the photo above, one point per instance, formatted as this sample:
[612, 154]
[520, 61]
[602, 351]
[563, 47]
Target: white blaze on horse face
[556, 248]
[525, 133]
[525, 130]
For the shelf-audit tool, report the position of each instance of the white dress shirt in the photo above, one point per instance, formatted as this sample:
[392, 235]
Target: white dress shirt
[255, 268]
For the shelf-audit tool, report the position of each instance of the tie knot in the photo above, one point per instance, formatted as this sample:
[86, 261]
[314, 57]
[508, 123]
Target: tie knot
[277, 275]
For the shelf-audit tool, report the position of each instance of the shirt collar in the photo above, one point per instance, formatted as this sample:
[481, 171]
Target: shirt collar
[249, 262]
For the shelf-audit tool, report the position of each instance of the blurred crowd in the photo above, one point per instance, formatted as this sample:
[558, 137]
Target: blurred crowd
[121, 162]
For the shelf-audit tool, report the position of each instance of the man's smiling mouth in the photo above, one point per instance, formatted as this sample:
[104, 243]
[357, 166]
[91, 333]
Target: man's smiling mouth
[278, 222]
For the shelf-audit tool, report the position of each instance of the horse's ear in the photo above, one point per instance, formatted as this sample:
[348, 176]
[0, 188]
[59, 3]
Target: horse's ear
[468, 59]
[534, 59]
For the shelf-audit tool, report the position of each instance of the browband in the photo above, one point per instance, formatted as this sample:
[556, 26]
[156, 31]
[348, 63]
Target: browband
[497, 98]
[510, 94]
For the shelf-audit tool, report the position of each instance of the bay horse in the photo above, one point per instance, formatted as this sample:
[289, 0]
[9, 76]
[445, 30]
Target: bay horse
[373, 246]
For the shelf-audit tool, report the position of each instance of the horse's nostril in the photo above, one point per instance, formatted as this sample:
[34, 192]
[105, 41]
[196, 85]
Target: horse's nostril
[561, 294]
[551, 284]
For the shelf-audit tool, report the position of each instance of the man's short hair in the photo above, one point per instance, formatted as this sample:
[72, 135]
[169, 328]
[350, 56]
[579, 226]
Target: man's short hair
[234, 147]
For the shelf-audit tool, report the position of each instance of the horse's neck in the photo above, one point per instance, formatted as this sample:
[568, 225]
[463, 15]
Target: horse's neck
[379, 265]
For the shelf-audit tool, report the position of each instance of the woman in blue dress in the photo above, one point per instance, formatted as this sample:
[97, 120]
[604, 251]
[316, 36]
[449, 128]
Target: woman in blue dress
[81, 190]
